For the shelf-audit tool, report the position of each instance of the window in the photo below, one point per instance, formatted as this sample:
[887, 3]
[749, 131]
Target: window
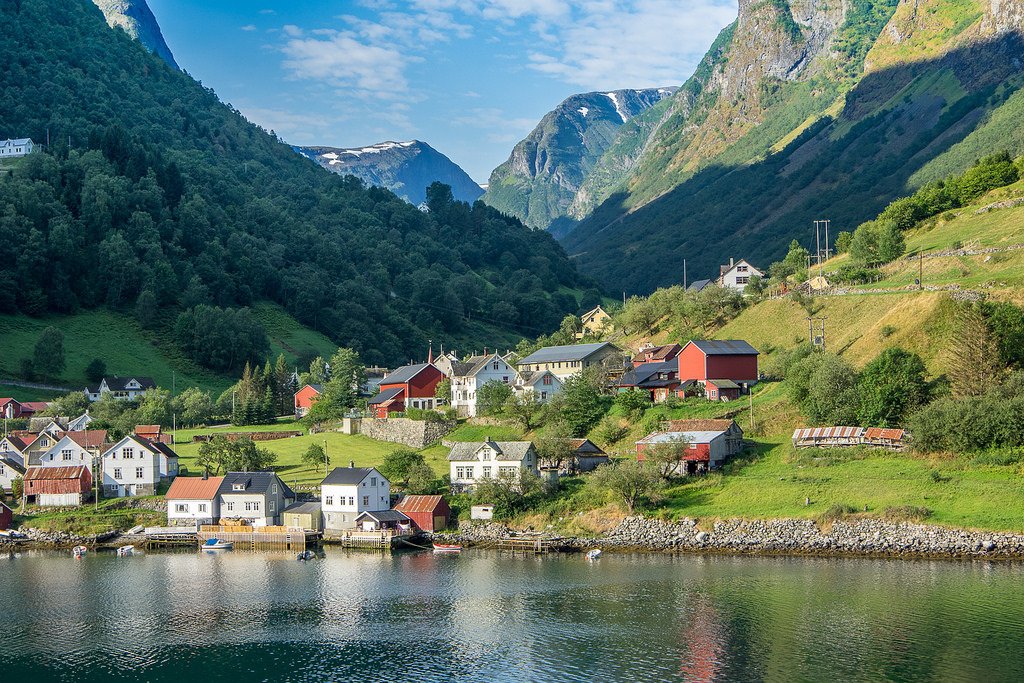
[546, 381]
[128, 453]
[230, 507]
[487, 471]
[693, 446]
[181, 507]
[741, 269]
[139, 473]
[373, 481]
[329, 500]
[508, 471]
[117, 473]
[272, 508]
[742, 280]
[495, 365]
[351, 500]
[44, 442]
[275, 488]
[366, 500]
[202, 507]
[543, 395]
[66, 454]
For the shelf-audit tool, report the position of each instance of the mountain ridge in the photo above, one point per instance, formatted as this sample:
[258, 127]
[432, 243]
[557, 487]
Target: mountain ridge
[137, 20]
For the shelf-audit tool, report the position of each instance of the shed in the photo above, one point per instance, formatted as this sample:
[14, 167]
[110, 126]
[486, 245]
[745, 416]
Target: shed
[376, 520]
[63, 486]
[481, 512]
[306, 516]
[428, 513]
[6, 517]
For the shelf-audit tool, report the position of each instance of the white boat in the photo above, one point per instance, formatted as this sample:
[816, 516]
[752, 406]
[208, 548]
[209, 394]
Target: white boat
[126, 551]
[79, 551]
[594, 554]
[217, 544]
[305, 556]
[447, 548]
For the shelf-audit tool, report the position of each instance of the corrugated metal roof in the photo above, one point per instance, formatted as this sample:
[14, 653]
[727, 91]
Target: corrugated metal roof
[828, 433]
[55, 473]
[688, 437]
[90, 438]
[194, 488]
[881, 433]
[724, 347]
[347, 476]
[307, 508]
[404, 374]
[570, 352]
[700, 425]
[510, 451]
[419, 504]
[384, 516]
[385, 396]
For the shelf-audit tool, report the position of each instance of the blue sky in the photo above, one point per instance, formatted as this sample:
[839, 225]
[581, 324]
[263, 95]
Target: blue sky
[470, 77]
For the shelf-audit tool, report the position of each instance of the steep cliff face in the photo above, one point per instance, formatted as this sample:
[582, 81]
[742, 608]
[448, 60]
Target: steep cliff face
[539, 182]
[808, 109]
[405, 168]
[135, 17]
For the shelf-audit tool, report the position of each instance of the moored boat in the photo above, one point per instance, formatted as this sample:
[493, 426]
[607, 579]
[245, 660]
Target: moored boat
[594, 554]
[305, 556]
[447, 548]
[217, 544]
[79, 551]
[126, 551]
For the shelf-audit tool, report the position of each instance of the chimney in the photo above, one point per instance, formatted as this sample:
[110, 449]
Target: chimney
[731, 262]
[351, 464]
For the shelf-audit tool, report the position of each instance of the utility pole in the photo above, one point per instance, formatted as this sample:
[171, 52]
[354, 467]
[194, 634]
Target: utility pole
[684, 274]
[817, 339]
[920, 270]
[750, 393]
[327, 460]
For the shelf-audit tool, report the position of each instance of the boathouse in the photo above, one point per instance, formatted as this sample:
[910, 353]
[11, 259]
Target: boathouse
[58, 486]
[428, 513]
[6, 517]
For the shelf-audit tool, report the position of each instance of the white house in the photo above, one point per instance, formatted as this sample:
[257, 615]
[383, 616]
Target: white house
[121, 388]
[80, 423]
[9, 471]
[14, 449]
[544, 384]
[470, 462]
[16, 148]
[469, 375]
[347, 492]
[737, 275]
[71, 449]
[255, 497]
[134, 466]
[194, 501]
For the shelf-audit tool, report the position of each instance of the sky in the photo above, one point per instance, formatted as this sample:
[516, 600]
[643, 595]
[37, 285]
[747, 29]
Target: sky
[469, 77]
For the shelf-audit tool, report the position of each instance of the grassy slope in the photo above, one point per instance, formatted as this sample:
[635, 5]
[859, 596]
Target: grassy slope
[126, 348]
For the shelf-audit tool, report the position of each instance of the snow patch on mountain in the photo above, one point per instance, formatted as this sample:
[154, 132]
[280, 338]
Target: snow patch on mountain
[614, 97]
[584, 111]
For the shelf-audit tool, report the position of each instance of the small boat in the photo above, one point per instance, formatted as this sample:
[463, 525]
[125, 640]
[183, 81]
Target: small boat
[306, 556]
[217, 544]
[126, 551]
[594, 554]
[79, 551]
[447, 548]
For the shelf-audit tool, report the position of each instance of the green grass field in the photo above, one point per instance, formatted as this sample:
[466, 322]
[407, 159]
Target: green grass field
[26, 394]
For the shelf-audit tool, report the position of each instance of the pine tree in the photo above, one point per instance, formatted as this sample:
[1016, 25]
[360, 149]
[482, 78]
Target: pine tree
[283, 386]
[974, 365]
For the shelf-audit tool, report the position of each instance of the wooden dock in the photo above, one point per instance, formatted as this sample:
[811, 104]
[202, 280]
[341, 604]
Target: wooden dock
[260, 538]
[527, 544]
[160, 536]
[375, 540]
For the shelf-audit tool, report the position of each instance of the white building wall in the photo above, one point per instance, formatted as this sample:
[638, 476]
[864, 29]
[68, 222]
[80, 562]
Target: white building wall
[192, 511]
[367, 496]
[121, 476]
[66, 453]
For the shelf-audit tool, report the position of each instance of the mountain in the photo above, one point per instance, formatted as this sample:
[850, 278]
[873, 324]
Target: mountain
[801, 110]
[156, 200]
[405, 168]
[135, 17]
[540, 182]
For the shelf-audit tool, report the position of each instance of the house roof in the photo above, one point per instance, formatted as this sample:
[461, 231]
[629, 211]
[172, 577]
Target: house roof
[17, 467]
[570, 352]
[511, 451]
[121, 383]
[405, 373]
[585, 447]
[347, 476]
[700, 425]
[882, 433]
[419, 504]
[645, 373]
[90, 438]
[471, 365]
[36, 406]
[724, 347]
[17, 141]
[724, 383]
[384, 516]
[143, 430]
[531, 377]
[17, 442]
[386, 395]
[194, 488]
[318, 388]
[256, 482]
[307, 508]
[38, 424]
[592, 312]
[828, 433]
[688, 437]
[163, 448]
[699, 285]
[55, 473]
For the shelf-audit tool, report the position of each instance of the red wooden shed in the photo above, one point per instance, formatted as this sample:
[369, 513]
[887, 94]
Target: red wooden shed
[6, 517]
[428, 513]
[411, 386]
[58, 485]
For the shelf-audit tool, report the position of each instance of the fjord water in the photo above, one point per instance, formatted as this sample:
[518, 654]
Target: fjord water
[485, 616]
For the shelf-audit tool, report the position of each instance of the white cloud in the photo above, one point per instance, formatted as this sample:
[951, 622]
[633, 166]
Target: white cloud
[295, 128]
[249, 27]
[500, 127]
[345, 62]
[292, 30]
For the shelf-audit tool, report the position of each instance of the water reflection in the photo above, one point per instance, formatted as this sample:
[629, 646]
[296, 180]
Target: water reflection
[492, 616]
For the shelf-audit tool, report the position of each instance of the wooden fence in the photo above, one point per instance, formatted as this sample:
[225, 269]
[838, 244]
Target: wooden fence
[258, 538]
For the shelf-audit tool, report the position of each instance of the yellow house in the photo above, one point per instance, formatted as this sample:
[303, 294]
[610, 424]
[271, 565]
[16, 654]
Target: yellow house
[566, 361]
[594, 322]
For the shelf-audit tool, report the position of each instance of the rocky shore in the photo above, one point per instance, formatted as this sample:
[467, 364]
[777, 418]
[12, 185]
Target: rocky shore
[854, 537]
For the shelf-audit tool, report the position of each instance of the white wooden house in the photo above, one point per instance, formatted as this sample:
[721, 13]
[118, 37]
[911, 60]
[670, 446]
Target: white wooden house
[543, 384]
[470, 375]
[347, 492]
[737, 275]
[19, 147]
[472, 461]
[258, 498]
[71, 449]
[121, 388]
[194, 501]
[9, 471]
[135, 466]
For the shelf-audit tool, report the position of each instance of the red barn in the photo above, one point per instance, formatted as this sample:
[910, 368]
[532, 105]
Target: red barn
[6, 517]
[723, 367]
[411, 386]
[428, 513]
[305, 398]
[704, 450]
[12, 409]
[64, 486]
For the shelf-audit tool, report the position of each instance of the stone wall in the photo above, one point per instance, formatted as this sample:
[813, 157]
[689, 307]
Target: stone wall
[411, 433]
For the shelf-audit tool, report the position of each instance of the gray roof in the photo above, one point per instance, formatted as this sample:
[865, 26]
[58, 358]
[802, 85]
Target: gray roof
[307, 508]
[571, 352]
[18, 141]
[384, 516]
[506, 450]
[471, 365]
[404, 374]
[119, 383]
[647, 372]
[386, 395]
[256, 482]
[347, 476]
[531, 377]
[163, 448]
[727, 347]
[724, 383]
[20, 469]
[698, 285]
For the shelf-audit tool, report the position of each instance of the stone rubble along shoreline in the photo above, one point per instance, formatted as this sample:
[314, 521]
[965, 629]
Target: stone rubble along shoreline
[855, 537]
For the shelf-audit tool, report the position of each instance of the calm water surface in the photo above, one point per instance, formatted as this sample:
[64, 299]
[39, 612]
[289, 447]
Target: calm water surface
[485, 616]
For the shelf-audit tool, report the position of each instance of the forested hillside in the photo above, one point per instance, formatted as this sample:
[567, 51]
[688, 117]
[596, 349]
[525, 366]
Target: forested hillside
[154, 195]
[803, 111]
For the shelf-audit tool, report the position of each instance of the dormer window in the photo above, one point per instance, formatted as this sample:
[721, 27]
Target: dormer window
[238, 487]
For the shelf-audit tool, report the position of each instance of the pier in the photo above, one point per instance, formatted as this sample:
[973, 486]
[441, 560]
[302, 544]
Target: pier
[384, 539]
[260, 538]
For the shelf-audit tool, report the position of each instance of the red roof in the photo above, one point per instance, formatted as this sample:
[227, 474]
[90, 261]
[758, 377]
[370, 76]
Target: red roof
[880, 433]
[145, 430]
[194, 488]
[90, 438]
[55, 473]
[35, 406]
[419, 504]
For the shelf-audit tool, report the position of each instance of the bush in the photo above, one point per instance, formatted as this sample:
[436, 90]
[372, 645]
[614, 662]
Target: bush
[633, 402]
[887, 331]
[906, 513]
[837, 512]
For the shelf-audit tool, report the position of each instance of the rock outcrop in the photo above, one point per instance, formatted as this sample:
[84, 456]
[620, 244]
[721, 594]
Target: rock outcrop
[135, 17]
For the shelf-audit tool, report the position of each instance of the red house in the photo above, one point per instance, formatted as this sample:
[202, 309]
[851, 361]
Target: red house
[305, 398]
[656, 354]
[6, 517]
[12, 409]
[428, 513]
[704, 450]
[725, 368]
[412, 386]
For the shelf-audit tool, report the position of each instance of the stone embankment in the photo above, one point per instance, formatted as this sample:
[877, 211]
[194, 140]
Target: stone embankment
[55, 539]
[853, 537]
